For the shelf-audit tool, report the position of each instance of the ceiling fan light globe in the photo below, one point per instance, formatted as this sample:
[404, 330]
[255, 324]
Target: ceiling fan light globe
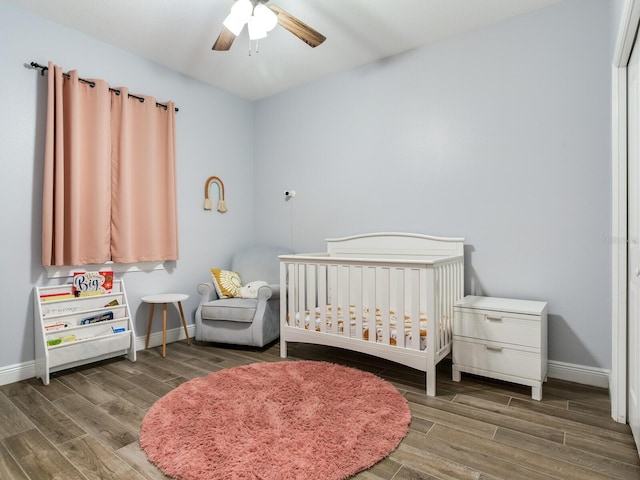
[243, 9]
[256, 32]
[234, 23]
[266, 18]
[240, 14]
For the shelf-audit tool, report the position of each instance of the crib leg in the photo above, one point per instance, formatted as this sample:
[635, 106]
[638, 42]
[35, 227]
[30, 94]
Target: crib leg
[431, 381]
[283, 348]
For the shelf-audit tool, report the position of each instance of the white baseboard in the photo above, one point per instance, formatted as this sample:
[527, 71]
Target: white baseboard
[173, 335]
[596, 377]
[23, 371]
[17, 372]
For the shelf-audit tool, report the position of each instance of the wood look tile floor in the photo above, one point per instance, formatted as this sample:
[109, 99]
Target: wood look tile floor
[85, 424]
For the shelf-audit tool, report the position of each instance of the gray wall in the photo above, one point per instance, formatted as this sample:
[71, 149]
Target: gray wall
[501, 136]
[213, 136]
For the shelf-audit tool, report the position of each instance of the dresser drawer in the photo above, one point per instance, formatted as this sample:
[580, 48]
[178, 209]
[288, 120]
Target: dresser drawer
[497, 359]
[498, 326]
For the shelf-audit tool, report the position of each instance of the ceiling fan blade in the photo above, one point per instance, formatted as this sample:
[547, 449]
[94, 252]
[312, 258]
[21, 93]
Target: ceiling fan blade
[224, 40]
[301, 30]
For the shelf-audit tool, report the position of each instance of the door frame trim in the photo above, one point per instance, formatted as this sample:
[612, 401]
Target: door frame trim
[624, 44]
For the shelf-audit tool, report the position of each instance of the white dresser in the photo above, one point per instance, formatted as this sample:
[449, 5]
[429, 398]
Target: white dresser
[501, 338]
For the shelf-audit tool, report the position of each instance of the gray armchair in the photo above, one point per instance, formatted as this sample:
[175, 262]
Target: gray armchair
[244, 321]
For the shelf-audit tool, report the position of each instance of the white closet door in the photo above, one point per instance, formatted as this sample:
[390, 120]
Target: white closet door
[633, 272]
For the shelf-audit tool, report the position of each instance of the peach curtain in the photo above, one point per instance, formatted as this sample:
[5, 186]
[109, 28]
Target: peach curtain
[109, 177]
[77, 171]
[143, 197]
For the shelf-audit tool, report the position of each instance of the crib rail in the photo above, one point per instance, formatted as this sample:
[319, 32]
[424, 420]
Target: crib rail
[377, 301]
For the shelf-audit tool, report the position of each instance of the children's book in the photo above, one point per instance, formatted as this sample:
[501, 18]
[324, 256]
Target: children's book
[92, 283]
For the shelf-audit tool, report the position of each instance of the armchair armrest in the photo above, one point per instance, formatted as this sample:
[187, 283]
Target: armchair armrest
[266, 315]
[267, 292]
[207, 292]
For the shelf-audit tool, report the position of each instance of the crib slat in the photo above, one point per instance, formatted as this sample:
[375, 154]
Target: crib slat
[301, 286]
[334, 289]
[357, 293]
[382, 303]
[371, 306]
[311, 295]
[322, 297]
[417, 307]
[345, 300]
[400, 305]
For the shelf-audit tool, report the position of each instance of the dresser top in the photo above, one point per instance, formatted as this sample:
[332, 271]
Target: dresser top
[502, 304]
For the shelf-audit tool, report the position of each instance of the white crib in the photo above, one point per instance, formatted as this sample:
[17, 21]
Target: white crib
[367, 290]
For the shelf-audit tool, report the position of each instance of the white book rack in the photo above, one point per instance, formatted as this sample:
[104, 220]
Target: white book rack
[72, 331]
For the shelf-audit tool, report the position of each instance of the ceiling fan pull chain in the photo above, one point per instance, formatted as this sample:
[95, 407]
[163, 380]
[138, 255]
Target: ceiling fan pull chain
[256, 49]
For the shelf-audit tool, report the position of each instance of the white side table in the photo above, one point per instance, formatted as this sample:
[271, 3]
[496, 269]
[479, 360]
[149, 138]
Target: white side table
[165, 298]
[501, 338]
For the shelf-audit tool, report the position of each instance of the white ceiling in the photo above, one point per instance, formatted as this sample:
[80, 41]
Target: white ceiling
[179, 34]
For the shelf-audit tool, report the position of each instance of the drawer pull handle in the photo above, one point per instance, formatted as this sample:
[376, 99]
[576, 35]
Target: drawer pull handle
[494, 319]
[494, 349]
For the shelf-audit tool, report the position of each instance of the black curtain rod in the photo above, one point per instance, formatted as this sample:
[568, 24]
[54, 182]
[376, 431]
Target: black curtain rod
[89, 82]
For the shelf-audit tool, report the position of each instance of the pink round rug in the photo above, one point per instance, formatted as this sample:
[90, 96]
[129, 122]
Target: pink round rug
[271, 421]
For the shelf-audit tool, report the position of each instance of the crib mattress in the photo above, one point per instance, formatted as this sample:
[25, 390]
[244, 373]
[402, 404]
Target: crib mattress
[393, 324]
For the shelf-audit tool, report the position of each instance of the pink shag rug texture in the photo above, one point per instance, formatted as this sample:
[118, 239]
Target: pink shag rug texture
[274, 421]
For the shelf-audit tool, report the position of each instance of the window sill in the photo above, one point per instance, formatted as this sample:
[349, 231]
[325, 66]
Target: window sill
[61, 272]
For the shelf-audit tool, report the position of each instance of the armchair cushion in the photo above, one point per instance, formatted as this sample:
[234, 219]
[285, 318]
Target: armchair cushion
[230, 309]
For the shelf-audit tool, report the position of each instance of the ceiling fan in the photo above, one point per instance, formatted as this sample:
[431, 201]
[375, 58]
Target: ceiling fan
[261, 19]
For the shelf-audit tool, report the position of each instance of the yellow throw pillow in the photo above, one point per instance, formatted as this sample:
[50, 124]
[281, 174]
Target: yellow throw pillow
[227, 283]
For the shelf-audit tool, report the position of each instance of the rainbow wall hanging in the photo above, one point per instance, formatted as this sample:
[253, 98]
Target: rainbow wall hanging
[222, 206]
